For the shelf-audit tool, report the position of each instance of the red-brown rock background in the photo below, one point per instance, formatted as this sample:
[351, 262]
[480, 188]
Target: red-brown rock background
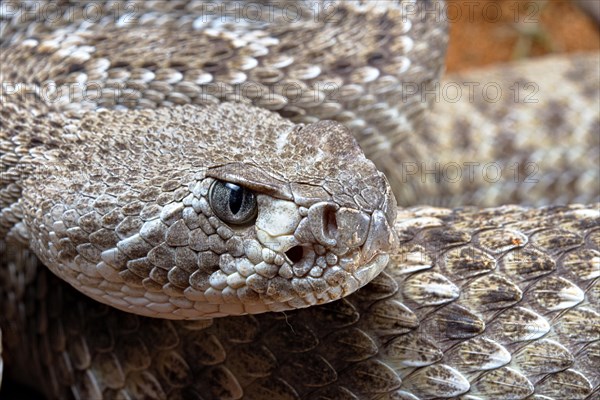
[485, 32]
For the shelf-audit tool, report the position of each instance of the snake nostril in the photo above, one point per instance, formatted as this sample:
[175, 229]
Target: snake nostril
[331, 226]
[295, 254]
[323, 222]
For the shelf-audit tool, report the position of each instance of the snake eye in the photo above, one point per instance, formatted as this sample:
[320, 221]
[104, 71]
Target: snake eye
[232, 203]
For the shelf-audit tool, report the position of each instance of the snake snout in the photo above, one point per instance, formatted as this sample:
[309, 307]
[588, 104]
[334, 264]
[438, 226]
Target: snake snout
[380, 236]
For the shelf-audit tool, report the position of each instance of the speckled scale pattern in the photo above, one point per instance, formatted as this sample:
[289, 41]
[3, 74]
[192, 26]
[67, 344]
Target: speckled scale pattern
[510, 146]
[472, 303]
[518, 337]
[207, 62]
[291, 68]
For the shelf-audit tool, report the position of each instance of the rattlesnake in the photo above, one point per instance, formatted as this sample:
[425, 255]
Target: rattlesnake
[128, 207]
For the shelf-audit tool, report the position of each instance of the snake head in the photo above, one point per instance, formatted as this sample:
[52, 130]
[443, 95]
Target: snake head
[320, 218]
[190, 213]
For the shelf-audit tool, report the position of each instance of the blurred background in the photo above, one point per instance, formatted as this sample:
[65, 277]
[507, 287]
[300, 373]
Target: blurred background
[484, 32]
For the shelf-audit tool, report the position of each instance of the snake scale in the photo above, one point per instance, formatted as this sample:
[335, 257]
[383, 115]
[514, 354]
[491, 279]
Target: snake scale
[216, 171]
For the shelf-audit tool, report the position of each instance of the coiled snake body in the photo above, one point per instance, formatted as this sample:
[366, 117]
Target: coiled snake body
[170, 194]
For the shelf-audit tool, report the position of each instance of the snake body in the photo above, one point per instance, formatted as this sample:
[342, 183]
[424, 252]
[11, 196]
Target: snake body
[127, 207]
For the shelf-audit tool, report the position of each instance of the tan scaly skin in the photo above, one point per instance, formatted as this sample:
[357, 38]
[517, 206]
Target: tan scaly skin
[127, 207]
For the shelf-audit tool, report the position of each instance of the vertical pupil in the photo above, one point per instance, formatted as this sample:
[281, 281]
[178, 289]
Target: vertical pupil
[236, 197]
